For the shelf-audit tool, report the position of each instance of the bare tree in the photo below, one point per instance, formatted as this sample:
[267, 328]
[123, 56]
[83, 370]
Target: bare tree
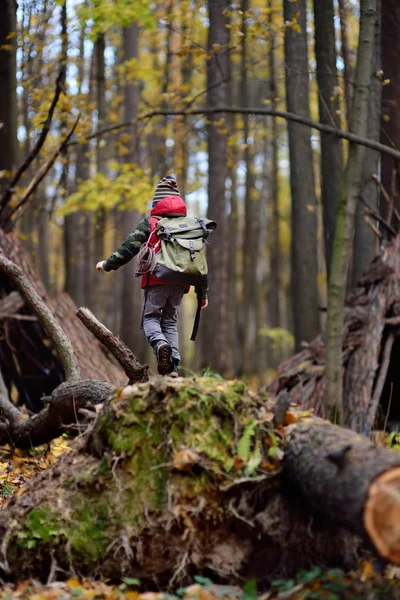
[328, 102]
[365, 240]
[131, 295]
[216, 318]
[390, 125]
[346, 213]
[8, 100]
[304, 207]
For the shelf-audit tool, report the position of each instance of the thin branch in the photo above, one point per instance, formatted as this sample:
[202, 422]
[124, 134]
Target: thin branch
[35, 151]
[387, 352]
[44, 169]
[373, 228]
[371, 213]
[386, 197]
[128, 361]
[266, 112]
[45, 316]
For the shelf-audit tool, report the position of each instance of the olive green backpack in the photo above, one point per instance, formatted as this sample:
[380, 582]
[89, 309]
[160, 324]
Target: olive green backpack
[182, 255]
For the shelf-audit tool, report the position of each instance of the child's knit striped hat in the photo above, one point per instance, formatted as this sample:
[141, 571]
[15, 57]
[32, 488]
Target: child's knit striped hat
[166, 187]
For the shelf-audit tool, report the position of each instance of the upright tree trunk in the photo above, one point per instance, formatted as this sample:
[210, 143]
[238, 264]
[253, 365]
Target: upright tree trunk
[304, 207]
[365, 241]
[215, 321]
[346, 212]
[345, 48]
[328, 103]
[390, 127]
[101, 167]
[250, 251]
[274, 303]
[131, 299]
[75, 259]
[8, 99]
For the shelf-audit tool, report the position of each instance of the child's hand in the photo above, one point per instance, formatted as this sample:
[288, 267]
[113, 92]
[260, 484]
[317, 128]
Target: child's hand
[204, 304]
[100, 265]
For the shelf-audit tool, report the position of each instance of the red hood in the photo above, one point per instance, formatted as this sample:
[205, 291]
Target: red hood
[172, 205]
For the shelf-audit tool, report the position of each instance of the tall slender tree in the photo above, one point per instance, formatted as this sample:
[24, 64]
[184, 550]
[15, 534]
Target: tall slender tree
[251, 218]
[345, 220]
[390, 126]
[101, 167]
[8, 100]
[77, 258]
[131, 296]
[304, 205]
[345, 51]
[329, 105]
[215, 323]
[365, 241]
[274, 304]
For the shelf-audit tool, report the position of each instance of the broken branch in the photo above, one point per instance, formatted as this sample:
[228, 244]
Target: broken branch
[128, 361]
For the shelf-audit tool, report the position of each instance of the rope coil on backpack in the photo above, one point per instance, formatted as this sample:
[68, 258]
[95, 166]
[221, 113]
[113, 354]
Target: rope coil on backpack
[145, 260]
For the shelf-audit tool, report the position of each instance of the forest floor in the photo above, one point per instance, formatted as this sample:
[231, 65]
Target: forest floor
[370, 581]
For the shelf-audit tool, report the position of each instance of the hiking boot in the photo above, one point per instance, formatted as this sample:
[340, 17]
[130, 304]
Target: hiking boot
[174, 372]
[164, 362]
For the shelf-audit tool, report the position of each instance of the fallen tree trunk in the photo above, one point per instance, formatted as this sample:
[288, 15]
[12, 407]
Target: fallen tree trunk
[349, 478]
[185, 476]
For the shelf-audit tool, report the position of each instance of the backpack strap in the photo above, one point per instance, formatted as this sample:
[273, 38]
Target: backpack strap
[196, 319]
[206, 233]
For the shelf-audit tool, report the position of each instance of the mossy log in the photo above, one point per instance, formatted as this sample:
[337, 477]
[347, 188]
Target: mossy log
[176, 478]
[191, 476]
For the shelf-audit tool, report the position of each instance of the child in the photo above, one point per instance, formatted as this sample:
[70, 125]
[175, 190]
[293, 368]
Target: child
[162, 300]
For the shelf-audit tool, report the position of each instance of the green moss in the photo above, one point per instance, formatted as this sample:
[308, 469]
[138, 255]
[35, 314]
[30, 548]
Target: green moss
[87, 533]
[40, 527]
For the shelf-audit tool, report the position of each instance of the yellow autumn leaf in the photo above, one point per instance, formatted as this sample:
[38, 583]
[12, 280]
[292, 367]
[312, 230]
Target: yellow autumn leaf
[74, 584]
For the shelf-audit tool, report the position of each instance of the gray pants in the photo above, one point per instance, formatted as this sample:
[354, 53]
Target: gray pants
[160, 316]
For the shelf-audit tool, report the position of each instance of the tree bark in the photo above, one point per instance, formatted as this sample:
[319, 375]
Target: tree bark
[390, 124]
[345, 48]
[75, 257]
[328, 103]
[365, 241]
[215, 319]
[348, 478]
[131, 297]
[252, 217]
[63, 409]
[304, 208]
[346, 212]
[274, 288]
[101, 167]
[8, 97]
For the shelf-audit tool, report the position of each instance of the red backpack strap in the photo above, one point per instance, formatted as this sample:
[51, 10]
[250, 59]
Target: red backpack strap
[153, 223]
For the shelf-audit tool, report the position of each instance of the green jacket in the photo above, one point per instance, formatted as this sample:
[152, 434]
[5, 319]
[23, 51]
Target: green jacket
[129, 247]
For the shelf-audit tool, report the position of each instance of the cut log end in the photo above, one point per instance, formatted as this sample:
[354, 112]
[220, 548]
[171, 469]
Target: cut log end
[382, 514]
